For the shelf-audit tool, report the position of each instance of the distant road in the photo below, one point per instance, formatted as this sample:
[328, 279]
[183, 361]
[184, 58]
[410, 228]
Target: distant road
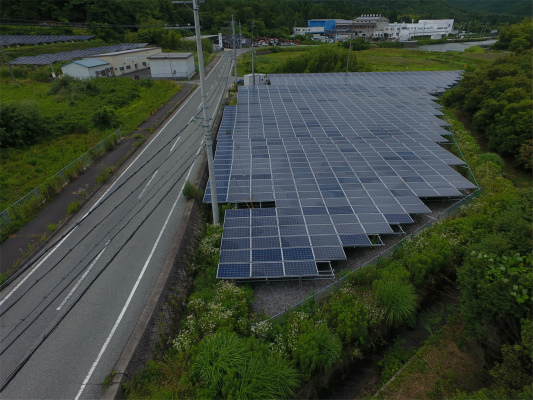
[65, 321]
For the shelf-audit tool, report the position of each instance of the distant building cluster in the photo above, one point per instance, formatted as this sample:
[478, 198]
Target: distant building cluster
[375, 27]
[161, 65]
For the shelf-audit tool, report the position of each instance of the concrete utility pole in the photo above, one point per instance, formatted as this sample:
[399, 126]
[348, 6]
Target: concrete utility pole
[234, 49]
[207, 132]
[253, 66]
[349, 52]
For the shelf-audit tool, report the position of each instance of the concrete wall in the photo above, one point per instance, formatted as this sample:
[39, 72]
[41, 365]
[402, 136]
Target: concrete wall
[172, 68]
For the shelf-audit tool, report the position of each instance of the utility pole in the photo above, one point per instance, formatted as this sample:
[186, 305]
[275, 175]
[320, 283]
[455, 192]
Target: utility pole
[349, 52]
[234, 49]
[7, 62]
[253, 65]
[240, 36]
[207, 132]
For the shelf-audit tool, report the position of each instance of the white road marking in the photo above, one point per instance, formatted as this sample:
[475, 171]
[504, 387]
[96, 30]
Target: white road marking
[36, 267]
[175, 143]
[82, 277]
[136, 158]
[148, 184]
[126, 305]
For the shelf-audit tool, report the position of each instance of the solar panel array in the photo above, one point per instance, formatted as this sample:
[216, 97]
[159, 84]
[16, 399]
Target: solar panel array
[9, 40]
[342, 163]
[43, 59]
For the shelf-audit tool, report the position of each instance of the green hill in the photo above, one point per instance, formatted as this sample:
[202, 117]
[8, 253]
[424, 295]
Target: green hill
[520, 8]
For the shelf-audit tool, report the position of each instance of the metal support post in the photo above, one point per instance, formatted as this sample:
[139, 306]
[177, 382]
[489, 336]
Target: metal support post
[207, 132]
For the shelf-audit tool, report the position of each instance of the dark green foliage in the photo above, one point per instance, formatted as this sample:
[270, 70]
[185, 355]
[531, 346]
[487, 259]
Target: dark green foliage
[348, 317]
[105, 118]
[399, 300]
[317, 349]
[499, 100]
[327, 58]
[356, 44]
[393, 360]
[496, 295]
[516, 37]
[21, 125]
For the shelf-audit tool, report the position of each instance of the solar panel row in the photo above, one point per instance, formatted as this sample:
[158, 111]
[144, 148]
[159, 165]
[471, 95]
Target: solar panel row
[341, 161]
[43, 59]
[9, 40]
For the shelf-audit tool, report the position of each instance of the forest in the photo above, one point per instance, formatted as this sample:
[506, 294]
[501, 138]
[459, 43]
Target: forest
[499, 99]
[111, 20]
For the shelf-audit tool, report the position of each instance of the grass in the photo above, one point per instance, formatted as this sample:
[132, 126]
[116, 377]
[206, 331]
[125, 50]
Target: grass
[402, 59]
[22, 170]
[446, 363]
[376, 60]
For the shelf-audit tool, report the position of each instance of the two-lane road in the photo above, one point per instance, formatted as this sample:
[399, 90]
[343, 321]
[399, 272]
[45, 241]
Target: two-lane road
[66, 320]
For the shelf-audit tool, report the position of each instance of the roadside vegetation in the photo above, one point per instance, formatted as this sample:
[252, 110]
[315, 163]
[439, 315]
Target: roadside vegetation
[45, 126]
[483, 352]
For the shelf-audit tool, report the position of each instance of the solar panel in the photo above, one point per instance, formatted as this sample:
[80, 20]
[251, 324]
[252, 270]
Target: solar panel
[341, 157]
[43, 59]
[9, 40]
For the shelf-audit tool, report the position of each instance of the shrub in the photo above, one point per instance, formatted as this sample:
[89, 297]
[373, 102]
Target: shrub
[105, 117]
[399, 300]
[218, 357]
[317, 349]
[21, 125]
[192, 192]
[266, 377]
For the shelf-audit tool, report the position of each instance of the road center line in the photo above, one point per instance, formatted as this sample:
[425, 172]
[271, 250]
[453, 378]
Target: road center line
[82, 277]
[148, 184]
[124, 309]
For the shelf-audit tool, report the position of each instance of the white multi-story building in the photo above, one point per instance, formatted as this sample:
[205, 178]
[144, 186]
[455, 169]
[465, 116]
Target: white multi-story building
[434, 28]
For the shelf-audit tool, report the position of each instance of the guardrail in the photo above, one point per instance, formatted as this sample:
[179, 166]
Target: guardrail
[338, 283]
[39, 194]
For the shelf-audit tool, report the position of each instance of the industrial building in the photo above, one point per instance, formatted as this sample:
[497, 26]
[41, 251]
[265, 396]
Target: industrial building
[124, 62]
[432, 28]
[87, 68]
[172, 65]
[374, 26]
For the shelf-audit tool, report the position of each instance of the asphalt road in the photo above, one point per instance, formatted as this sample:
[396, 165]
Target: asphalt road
[66, 320]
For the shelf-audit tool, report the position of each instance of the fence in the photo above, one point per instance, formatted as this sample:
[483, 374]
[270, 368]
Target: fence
[338, 283]
[38, 194]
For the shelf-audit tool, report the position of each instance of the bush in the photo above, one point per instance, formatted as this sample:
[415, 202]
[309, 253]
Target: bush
[105, 118]
[21, 125]
[399, 300]
[317, 349]
[219, 356]
[192, 192]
